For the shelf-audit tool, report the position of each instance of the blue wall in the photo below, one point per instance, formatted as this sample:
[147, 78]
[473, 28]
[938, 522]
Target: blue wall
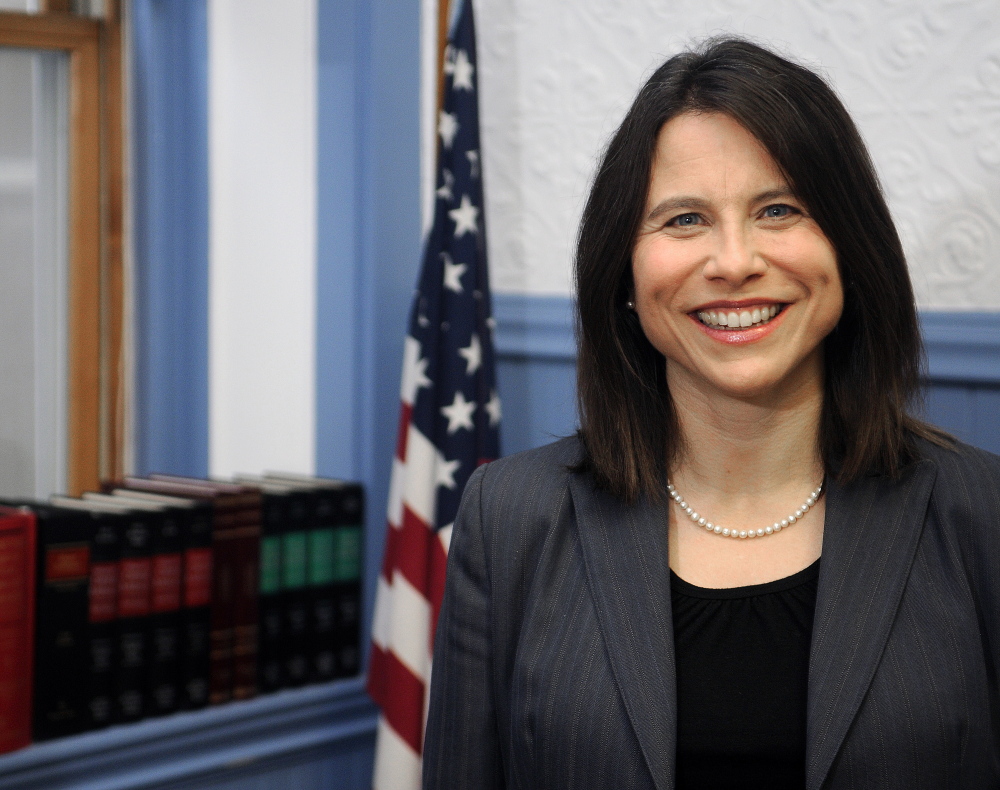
[169, 193]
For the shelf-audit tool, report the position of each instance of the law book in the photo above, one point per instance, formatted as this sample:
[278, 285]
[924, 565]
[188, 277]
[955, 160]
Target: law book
[62, 583]
[102, 615]
[235, 557]
[245, 548]
[17, 625]
[163, 626]
[195, 521]
[103, 640]
[132, 655]
[335, 569]
[285, 602]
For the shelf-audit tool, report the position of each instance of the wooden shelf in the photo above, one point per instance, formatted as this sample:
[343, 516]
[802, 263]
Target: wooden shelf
[280, 734]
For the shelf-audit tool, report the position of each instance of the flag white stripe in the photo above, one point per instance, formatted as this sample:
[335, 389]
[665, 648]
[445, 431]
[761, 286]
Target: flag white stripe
[397, 766]
[420, 485]
[396, 483]
[411, 626]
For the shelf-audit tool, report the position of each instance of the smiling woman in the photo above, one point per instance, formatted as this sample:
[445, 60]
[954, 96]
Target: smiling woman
[747, 336]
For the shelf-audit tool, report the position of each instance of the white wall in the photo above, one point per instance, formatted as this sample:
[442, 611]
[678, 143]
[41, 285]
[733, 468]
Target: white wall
[922, 80]
[262, 247]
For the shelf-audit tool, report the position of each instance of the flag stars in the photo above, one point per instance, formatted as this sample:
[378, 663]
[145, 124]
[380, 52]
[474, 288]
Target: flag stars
[493, 408]
[465, 217]
[444, 473]
[447, 128]
[461, 72]
[453, 274]
[473, 355]
[459, 413]
[444, 191]
[473, 157]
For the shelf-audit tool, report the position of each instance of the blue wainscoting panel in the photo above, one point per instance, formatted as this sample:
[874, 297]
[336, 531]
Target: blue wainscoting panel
[963, 375]
[314, 738]
[536, 369]
[170, 207]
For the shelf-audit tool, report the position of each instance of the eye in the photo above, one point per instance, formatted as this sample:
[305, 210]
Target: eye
[778, 211]
[685, 221]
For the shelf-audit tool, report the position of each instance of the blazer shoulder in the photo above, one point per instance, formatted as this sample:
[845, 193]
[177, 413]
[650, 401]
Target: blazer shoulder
[522, 496]
[966, 490]
[961, 464]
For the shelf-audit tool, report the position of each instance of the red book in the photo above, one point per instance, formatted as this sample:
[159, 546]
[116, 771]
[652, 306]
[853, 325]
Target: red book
[17, 626]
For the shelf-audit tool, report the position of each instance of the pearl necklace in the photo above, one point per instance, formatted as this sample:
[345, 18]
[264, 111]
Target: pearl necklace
[718, 529]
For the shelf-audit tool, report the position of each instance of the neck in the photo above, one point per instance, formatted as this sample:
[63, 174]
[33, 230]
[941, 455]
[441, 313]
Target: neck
[733, 446]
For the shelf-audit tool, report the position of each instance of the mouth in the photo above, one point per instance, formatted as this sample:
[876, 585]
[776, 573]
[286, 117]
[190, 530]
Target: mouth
[732, 319]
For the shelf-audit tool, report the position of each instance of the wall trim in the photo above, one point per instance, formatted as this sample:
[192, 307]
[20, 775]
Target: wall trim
[157, 753]
[961, 346]
[534, 326]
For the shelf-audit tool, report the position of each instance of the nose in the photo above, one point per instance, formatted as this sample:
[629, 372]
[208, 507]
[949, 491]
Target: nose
[735, 259]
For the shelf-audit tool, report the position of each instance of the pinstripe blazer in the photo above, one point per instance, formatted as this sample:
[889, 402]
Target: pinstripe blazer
[554, 660]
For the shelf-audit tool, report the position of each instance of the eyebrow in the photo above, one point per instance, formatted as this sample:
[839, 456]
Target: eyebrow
[691, 202]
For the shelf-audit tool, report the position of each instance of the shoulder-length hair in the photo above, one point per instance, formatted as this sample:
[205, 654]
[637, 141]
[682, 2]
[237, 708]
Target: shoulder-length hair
[872, 358]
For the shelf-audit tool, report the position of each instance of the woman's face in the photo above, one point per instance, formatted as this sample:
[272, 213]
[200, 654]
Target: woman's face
[735, 284]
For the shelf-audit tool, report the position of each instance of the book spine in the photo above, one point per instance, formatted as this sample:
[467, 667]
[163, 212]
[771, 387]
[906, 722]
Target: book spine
[165, 603]
[103, 618]
[17, 595]
[270, 653]
[60, 688]
[134, 582]
[347, 571]
[322, 591]
[196, 614]
[294, 578]
[224, 561]
[245, 602]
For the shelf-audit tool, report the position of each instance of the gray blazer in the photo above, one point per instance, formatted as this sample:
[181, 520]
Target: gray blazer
[554, 659]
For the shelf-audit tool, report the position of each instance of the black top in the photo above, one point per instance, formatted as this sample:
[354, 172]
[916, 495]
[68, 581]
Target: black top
[742, 673]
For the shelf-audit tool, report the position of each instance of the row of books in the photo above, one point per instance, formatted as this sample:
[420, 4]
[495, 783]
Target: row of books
[170, 593]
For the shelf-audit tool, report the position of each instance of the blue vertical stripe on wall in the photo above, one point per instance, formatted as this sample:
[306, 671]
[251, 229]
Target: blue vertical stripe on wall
[339, 431]
[170, 210]
[368, 244]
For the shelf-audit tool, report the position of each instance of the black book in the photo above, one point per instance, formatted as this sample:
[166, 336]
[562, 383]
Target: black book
[335, 559]
[163, 627]
[60, 687]
[135, 571]
[285, 603]
[194, 518]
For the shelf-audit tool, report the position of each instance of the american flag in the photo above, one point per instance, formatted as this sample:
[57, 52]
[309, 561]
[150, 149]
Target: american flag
[448, 424]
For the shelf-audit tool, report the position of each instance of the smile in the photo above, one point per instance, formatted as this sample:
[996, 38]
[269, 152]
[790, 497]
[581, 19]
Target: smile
[738, 319]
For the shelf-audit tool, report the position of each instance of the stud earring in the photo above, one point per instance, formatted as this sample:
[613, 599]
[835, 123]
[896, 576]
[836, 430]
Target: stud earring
[630, 305]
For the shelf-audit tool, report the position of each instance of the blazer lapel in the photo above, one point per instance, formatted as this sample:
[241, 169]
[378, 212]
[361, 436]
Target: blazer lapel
[870, 538]
[625, 556]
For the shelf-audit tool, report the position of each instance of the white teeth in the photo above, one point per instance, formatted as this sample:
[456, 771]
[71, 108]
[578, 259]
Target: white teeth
[740, 320]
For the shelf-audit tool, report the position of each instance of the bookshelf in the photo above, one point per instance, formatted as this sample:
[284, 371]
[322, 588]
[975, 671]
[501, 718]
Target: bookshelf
[309, 738]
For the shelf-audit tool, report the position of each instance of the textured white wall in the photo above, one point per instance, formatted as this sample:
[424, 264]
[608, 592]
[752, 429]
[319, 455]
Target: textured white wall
[262, 242]
[922, 80]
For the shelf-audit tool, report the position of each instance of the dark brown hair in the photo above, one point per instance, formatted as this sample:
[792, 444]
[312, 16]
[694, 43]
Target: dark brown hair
[873, 356]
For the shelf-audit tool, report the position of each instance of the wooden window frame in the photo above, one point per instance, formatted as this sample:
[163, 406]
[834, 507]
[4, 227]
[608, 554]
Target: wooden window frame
[95, 292]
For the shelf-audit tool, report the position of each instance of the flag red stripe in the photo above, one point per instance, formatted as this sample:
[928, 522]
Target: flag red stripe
[401, 697]
[413, 548]
[405, 413]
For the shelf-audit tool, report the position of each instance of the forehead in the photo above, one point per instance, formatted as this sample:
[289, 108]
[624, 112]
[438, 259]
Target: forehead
[711, 151]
